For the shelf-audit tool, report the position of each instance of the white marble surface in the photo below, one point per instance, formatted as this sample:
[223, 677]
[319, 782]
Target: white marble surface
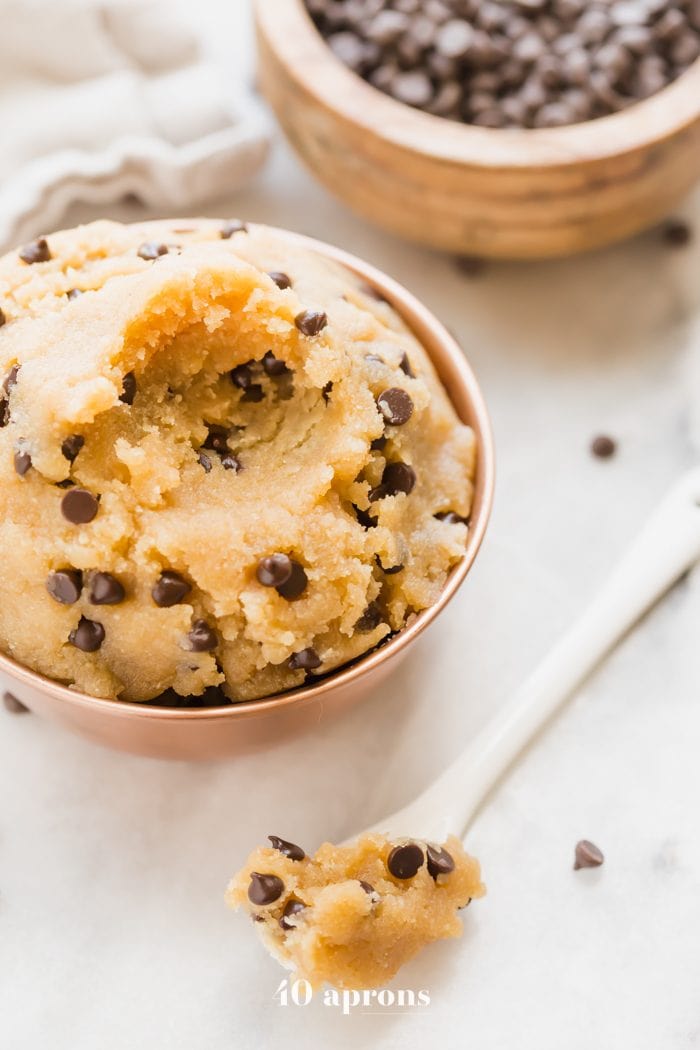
[113, 932]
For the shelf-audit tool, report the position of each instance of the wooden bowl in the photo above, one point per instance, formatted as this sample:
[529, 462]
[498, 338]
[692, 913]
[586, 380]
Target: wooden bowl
[503, 193]
[202, 733]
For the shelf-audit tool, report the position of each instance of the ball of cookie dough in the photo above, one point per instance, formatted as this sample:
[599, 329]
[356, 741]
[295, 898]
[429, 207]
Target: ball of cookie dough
[352, 915]
[223, 462]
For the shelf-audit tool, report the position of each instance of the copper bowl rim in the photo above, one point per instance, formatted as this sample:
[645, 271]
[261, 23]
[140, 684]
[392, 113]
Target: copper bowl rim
[335, 87]
[415, 315]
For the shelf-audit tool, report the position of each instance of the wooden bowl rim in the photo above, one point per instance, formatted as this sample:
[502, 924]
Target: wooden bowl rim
[287, 28]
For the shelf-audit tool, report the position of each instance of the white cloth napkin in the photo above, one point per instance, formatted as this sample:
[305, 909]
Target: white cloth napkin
[102, 98]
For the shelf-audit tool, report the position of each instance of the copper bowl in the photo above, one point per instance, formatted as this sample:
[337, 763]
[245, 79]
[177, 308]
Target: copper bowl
[203, 733]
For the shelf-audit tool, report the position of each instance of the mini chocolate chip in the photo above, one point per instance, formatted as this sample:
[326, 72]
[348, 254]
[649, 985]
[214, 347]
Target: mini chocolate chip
[204, 461]
[326, 392]
[587, 855]
[264, 889]
[202, 638]
[273, 365]
[13, 705]
[88, 636]
[371, 618]
[274, 570]
[37, 251]
[311, 322]
[151, 250]
[67, 483]
[3, 317]
[295, 585]
[105, 589]
[231, 462]
[379, 444]
[395, 405]
[169, 589]
[377, 493]
[289, 849]
[128, 389]
[4, 412]
[23, 462]
[405, 366]
[79, 506]
[72, 446]
[10, 380]
[398, 477]
[282, 280]
[677, 233]
[439, 861]
[391, 570]
[217, 438]
[73, 293]
[242, 376]
[364, 518]
[603, 446]
[305, 660]
[231, 227]
[65, 585]
[404, 861]
[450, 517]
[254, 393]
[292, 907]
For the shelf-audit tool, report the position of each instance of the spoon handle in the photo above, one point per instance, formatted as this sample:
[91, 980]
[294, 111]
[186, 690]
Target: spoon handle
[667, 546]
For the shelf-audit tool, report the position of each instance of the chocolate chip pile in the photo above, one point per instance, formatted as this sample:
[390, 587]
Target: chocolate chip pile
[514, 63]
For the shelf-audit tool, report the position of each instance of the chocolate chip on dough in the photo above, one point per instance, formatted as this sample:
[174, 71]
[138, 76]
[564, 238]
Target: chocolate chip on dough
[274, 366]
[170, 589]
[439, 861]
[88, 636]
[35, 252]
[404, 861]
[371, 618]
[264, 889]
[128, 389]
[22, 462]
[79, 506]
[65, 585]
[282, 280]
[305, 660]
[274, 570]
[295, 585]
[151, 250]
[398, 477]
[289, 849]
[202, 638]
[395, 405]
[291, 908]
[105, 589]
[72, 446]
[10, 380]
[311, 322]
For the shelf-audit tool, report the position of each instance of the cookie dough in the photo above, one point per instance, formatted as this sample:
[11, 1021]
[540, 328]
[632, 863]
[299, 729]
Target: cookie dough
[352, 915]
[224, 463]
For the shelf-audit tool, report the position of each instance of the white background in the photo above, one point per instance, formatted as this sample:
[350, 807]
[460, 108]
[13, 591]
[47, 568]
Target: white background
[113, 932]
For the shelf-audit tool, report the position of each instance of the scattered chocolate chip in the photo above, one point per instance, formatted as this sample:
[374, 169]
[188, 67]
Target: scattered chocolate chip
[169, 589]
[377, 493]
[204, 461]
[391, 570]
[23, 462]
[231, 227]
[404, 861]
[282, 280]
[291, 908]
[202, 638]
[677, 233]
[231, 462]
[3, 317]
[242, 376]
[326, 392]
[128, 389]
[79, 506]
[36, 252]
[65, 585]
[451, 517]
[603, 446]
[274, 570]
[305, 660]
[105, 589]
[151, 250]
[67, 483]
[264, 889]
[254, 393]
[273, 365]
[587, 855]
[289, 849]
[13, 705]
[295, 585]
[379, 444]
[72, 446]
[371, 618]
[364, 518]
[88, 636]
[406, 367]
[311, 322]
[395, 406]
[398, 477]
[4, 412]
[10, 380]
[217, 438]
[73, 293]
[439, 861]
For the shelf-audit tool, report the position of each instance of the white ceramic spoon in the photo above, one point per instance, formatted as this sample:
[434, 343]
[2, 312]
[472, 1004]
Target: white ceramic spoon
[666, 548]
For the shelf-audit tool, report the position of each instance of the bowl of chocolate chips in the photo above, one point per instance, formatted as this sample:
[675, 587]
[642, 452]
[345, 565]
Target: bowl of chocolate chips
[502, 128]
[240, 472]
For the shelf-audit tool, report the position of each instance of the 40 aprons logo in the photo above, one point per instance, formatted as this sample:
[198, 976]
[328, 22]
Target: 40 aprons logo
[300, 993]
